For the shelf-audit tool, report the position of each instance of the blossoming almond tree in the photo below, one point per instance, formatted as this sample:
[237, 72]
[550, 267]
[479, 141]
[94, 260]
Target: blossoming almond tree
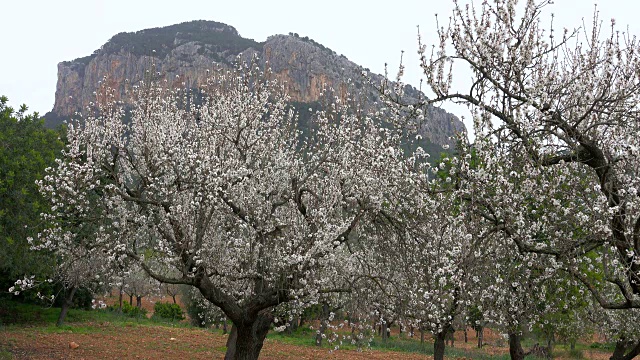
[420, 254]
[222, 189]
[556, 123]
[569, 103]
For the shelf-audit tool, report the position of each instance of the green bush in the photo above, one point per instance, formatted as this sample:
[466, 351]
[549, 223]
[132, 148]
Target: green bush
[603, 346]
[198, 312]
[129, 310]
[168, 311]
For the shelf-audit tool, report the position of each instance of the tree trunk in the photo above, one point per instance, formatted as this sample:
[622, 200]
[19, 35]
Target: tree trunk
[66, 304]
[384, 331]
[421, 336]
[466, 338]
[139, 301]
[480, 336]
[246, 339]
[293, 326]
[620, 352]
[323, 323]
[515, 346]
[224, 326]
[120, 300]
[173, 296]
[231, 344]
[131, 299]
[550, 343]
[450, 336]
[439, 345]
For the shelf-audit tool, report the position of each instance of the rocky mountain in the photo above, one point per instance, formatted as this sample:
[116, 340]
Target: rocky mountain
[186, 51]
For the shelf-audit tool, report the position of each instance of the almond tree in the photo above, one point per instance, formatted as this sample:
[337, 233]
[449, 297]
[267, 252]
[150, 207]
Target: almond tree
[419, 255]
[73, 269]
[223, 190]
[137, 283]
[569, 104]
[511, 293]
[619, 326]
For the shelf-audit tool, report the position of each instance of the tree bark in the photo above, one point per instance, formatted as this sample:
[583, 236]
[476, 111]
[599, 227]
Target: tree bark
[246, 339]
[551, 342]
[449, 336]
[480, 336]
[466, 336]
[622, 346]
[120, 300]
[384, 331]
[515, 346]
[439, 345]
[66, 304]
[231, 344]
[293, 326]
[139, 301]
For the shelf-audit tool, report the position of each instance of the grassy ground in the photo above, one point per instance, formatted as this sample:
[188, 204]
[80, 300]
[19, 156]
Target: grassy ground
[29, 332]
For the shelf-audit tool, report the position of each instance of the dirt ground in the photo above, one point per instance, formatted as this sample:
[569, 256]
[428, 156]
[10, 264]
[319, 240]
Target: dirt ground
[105, 340]
[156, 342]
[112, 341]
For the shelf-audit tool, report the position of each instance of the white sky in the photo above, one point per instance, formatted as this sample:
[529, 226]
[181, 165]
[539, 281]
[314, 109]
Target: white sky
[38, 34]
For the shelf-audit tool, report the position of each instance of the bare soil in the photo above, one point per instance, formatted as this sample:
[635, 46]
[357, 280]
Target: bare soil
[131, 341]
[108, 341]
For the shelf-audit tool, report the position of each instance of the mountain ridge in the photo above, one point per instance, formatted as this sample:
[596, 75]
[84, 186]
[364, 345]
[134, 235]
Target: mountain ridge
[187, 50]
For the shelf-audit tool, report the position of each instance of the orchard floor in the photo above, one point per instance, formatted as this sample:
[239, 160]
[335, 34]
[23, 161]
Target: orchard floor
[135, 341]
[28, 332]
[156, 342]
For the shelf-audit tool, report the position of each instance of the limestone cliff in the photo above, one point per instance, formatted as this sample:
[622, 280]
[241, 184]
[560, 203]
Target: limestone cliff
[186, 51]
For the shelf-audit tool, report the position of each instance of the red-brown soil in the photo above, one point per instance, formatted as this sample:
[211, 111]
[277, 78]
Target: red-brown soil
[132, 341]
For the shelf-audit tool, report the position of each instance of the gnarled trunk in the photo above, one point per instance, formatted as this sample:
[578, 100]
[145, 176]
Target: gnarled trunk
[66, 304]
[246, 339]
[626, 350]
[515, 346]
[439, 344]
[231, 344]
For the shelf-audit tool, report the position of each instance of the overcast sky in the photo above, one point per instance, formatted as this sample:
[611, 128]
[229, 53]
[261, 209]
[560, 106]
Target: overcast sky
[38, 34]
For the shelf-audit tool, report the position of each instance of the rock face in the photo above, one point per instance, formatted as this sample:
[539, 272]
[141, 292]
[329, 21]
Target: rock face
[186, 51]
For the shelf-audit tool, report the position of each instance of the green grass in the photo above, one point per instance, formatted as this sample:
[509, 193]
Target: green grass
[5, 355]
[15, 315]
[305, 337]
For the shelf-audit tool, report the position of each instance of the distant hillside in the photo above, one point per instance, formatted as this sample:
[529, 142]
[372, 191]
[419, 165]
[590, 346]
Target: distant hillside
[189, 49]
